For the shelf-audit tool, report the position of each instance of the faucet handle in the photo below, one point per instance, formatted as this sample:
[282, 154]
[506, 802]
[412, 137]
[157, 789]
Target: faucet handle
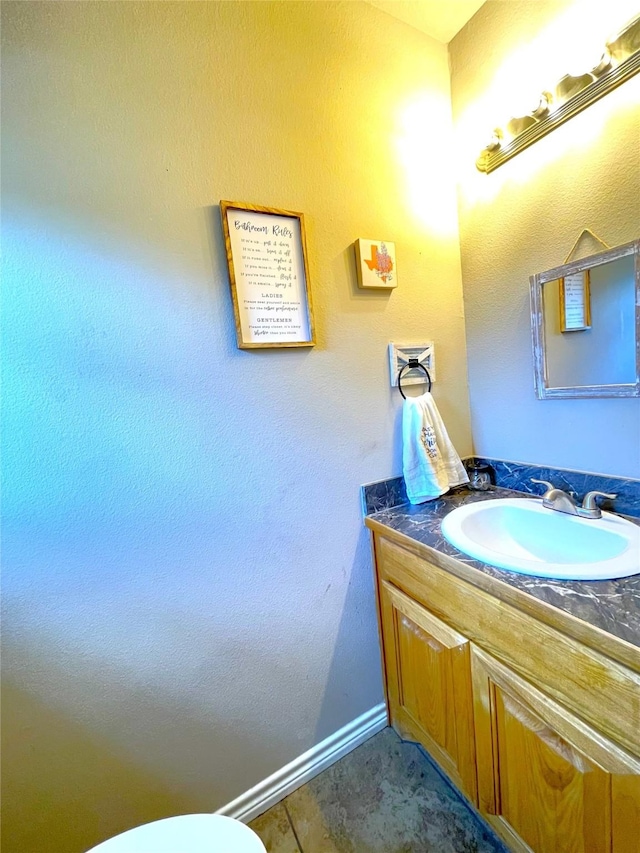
[589, 501]
[546, 483]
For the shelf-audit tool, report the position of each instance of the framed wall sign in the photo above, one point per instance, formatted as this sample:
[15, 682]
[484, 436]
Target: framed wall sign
[575, 302]
[268, 275]
[376, 263]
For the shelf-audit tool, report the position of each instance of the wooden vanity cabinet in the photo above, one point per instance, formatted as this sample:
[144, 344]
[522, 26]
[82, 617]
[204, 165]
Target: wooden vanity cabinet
[429, 685]
[539, 730]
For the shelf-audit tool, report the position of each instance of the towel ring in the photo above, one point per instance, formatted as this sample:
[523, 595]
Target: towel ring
[413, 362]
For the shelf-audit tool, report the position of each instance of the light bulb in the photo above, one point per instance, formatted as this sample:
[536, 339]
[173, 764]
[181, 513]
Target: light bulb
[543, 105]
[606, 61]
[495, 141]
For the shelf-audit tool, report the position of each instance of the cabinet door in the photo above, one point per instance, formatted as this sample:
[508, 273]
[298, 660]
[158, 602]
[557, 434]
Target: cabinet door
[429, 685]
[547, 781]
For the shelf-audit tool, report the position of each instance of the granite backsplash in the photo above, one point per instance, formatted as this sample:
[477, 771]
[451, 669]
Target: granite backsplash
[385, 494]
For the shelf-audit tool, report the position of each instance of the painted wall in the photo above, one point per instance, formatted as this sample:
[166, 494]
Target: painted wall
[525, 217]
[187, 582]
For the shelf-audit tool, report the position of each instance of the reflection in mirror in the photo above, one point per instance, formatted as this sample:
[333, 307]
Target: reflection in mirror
[585, 322]
[571, 354]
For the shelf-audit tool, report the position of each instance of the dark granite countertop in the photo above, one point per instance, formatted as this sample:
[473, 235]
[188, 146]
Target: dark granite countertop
[612, 606]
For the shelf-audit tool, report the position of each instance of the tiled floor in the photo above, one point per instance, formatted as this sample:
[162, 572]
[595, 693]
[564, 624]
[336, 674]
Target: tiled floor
[384, 797]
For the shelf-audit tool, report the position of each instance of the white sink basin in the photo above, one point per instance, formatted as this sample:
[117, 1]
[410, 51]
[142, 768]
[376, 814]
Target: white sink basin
[521, 535]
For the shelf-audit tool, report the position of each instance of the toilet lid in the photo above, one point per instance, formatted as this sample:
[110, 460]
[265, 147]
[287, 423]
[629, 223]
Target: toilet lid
[191, 833]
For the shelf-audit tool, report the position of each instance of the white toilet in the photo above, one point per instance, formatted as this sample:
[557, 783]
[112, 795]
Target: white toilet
[190, 833]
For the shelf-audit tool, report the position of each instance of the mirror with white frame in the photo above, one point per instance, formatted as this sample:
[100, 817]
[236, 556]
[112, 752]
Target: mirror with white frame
[585, 324]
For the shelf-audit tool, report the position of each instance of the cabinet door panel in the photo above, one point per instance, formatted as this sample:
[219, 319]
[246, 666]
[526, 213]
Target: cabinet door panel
[625, 813]
[429, 684]
[551, 783]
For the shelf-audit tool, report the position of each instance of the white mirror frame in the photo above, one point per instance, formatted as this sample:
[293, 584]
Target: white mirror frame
[541, 378]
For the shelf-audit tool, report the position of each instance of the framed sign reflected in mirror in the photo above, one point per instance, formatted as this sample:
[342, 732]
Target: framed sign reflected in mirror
[585, 325]
[575, 302]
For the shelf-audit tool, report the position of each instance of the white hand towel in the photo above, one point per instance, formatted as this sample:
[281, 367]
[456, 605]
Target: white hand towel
[430, 463]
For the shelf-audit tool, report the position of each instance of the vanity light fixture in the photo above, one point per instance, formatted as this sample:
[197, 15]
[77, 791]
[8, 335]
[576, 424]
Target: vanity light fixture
[571, 94]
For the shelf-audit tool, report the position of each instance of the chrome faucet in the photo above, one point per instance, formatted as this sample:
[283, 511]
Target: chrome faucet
[563, 502]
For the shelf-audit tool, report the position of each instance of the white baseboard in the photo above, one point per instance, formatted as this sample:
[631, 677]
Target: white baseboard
[281, 783]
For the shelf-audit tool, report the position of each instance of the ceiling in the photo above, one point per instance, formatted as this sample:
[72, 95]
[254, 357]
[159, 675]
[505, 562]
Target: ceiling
[440, 19]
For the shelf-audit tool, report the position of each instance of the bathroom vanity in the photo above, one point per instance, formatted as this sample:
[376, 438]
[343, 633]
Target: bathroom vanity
[525, 691]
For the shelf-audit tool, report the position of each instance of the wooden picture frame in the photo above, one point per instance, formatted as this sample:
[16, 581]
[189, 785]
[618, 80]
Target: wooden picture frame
[268, 276]
[575, 302]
